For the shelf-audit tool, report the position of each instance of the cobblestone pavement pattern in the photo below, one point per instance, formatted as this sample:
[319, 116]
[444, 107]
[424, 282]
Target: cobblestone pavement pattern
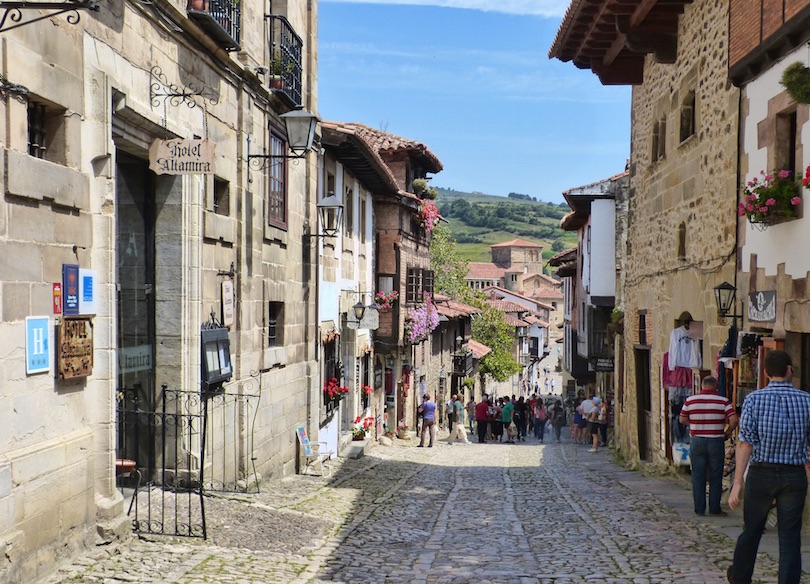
[518, 514]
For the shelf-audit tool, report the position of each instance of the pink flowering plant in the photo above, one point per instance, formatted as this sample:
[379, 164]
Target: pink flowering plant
[384, 301]
[428, 215]
[421, 320]
[771, 196]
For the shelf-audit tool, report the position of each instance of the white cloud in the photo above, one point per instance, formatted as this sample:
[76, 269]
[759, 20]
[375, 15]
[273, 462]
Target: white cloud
[547, 8]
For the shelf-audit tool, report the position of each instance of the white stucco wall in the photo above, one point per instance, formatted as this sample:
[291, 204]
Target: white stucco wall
[786, 242]
[602, 264]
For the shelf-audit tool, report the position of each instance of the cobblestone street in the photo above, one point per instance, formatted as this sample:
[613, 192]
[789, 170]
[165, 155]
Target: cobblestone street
[452, 514]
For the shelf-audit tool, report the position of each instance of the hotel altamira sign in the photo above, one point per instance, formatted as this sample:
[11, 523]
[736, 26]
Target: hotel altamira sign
[181, 156]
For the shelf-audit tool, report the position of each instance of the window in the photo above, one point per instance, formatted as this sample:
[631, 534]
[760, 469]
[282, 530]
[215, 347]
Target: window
[786, 132]
[277, 183]
[659, 139]
[275, 324]
[46, 133]
[682, 241]
[222, 197]
[688, 116]
[419, 281]
[362, 220]
[348, 210]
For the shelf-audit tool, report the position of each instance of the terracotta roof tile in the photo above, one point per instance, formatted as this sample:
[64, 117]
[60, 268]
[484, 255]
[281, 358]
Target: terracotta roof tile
[507, 306]
[387, 142]
[480, 270]
[479, 350]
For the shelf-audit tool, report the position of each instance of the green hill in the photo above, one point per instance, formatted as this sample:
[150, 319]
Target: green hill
[478, 220]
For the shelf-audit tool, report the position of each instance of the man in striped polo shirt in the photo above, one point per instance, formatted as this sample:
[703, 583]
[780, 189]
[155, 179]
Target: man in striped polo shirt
[707, 414]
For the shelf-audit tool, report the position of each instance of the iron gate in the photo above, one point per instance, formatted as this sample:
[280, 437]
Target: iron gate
[183, 444]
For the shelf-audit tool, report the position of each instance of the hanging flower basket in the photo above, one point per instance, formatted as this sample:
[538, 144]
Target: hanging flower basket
[333, 391]
[420, 321]
[771, 198]
[796, 79]
[384, 301]
[428, 215]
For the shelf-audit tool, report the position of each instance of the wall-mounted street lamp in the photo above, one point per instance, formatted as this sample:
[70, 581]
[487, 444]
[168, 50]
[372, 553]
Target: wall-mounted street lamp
[330, 212]
[359, 310]
[724, 296]
[300, 125]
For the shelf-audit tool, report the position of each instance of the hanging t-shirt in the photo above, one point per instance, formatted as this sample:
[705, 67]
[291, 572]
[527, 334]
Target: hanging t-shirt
[684, 351]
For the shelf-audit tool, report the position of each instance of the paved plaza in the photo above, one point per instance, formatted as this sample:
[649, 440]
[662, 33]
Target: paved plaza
[520, 513]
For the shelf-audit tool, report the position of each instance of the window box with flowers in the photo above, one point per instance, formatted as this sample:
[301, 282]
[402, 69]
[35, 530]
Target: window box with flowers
[420, 321]
[428, 215]
[333, 392]
[771, 198]
[384, 301]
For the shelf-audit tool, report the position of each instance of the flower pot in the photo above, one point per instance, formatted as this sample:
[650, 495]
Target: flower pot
[276, 83]
[403, 435]
[198, 5]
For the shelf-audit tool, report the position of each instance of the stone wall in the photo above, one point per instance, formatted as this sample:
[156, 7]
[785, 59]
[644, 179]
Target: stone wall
[682, 202]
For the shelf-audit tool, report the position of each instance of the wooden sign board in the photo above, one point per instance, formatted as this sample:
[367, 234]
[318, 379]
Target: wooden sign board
[74, 348]
[180, 156]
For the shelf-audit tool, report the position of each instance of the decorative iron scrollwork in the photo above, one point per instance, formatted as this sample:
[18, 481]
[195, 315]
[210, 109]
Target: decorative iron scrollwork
[13, 16]
[162, 90]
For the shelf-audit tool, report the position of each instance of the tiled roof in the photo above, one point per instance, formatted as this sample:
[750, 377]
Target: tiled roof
[481, 270]
[516, 243]
[552, 293]
[563, 256]
[453, 309]
[387, 142]
[507, 306]
[359, 156]
[479, 350]
[512, 321]
[531, 319]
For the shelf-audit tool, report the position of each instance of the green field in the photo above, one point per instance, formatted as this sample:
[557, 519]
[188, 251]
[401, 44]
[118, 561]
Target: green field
[478, 220]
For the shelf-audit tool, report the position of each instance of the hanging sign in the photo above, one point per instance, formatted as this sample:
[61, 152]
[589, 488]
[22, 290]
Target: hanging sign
[181, 156]
[74, 348]
[762, 306]
[227, 303]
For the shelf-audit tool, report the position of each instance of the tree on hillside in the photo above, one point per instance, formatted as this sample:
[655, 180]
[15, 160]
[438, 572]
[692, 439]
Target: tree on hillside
[448, 268]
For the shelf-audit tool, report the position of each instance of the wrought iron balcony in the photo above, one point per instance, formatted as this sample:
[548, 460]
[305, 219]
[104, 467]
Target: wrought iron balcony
[219, 18]
[286, 60]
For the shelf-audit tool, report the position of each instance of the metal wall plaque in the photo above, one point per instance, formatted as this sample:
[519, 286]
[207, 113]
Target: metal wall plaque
[74, 348]
[762, 306]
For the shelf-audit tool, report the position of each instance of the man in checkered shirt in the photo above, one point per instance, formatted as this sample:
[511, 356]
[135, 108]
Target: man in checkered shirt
[774, 438]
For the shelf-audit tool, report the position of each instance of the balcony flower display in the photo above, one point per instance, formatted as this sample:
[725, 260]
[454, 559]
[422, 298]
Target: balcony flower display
[771, 198]
[384, 301]
[333, 391]
[428, 215]
[421, 320]
[368, 390]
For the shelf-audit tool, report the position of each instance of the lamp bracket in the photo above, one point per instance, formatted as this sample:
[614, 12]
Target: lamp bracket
[161, 89]
[230, 273]
[13, 17]
[6, 87]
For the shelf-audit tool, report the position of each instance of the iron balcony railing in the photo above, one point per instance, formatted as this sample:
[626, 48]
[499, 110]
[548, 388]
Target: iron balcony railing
[220, 18]
[286, 61]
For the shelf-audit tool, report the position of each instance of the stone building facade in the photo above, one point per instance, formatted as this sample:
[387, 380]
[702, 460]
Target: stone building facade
[164, 254]
[681, 239]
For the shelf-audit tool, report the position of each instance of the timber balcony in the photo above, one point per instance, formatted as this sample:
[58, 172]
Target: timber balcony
[219, 18]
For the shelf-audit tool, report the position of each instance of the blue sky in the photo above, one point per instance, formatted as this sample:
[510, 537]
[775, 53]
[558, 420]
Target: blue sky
[472, 80]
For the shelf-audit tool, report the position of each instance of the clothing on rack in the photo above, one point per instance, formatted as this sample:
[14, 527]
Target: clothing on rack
[684, 351]
[677, 377]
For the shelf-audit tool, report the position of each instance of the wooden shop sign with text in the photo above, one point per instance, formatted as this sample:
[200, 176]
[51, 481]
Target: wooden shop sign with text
[74, 348]
[180, 156]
